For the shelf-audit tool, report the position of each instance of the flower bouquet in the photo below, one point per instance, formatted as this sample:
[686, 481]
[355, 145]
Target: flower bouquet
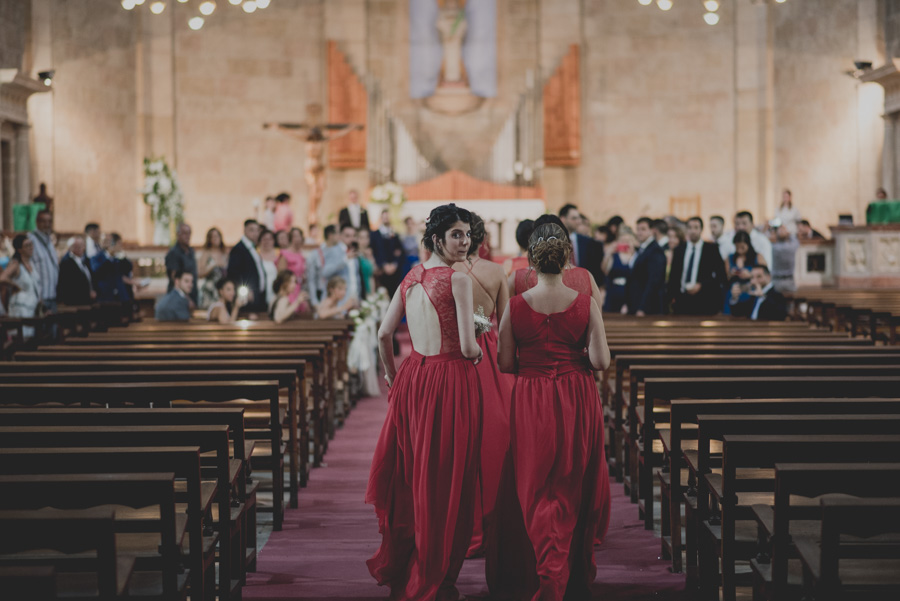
[163, 195]
[483, 324]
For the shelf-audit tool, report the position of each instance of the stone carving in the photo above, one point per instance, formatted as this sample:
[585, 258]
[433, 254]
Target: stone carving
[887, 254]
[855, 259]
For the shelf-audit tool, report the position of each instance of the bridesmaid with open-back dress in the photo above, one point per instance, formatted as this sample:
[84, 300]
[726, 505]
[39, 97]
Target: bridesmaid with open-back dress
[552, 337]
[424, 471]
[491, 296]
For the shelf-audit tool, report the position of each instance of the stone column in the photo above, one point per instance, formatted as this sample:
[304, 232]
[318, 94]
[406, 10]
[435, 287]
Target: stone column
[23, 165]
[888, 160]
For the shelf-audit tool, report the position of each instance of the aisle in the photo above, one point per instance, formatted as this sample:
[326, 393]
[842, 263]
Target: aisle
[321, 552]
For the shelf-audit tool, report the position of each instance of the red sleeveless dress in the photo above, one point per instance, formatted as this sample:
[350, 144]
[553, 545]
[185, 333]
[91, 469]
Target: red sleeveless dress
[496, 392]
[576, 278]
[558, 465]
[424, 471]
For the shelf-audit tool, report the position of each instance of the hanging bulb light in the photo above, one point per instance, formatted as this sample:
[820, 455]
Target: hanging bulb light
[711, 18]
[207, 7]
[128, 4]
[664, 4]
[645, 2]
[234, 2]
[157, 7]
[261, 4]
[195, 23]
[711, 5]
[182, 1]
[249, 6]
[138, 2]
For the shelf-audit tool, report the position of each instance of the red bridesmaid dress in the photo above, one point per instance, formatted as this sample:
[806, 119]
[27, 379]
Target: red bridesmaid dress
[576, 278]
[424, 471]
[558, 464]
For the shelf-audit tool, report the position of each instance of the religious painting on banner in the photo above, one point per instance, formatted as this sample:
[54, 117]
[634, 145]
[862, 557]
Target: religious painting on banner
[453, 53]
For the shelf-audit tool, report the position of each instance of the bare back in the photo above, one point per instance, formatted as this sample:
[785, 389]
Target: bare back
[550, 298]
[489, 285]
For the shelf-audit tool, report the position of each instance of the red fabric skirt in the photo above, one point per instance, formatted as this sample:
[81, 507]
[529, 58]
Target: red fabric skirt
[423, 477]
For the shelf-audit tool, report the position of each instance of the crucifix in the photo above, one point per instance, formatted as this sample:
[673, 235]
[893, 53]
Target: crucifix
[315, 140]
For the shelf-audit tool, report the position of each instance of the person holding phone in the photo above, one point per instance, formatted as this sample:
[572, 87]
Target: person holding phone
[229, 303]
[617, 267]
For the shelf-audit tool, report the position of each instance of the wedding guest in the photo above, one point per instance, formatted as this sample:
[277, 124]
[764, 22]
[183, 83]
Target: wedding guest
[881, 195]
[181, 257]
[352, 272]
[45, 259]
[314, 233]
[329, 249]
[587, 253]
[282, 239]
[228, 303]
[617, 267]
[584, 226]
[176, 304]
[333, 306]
[6, 251]
[389, 256]
[106, 273]
[559, 471]
[284, 217]
[283, 308]
[764, 302]
[211, 267]
[366, 261]
[246, 268]
[268, 217]
[698, 275]
[92, 239]
[743, 222]
[717, 232]
[645, 291]
[411, 244]
[424, 492]
[806, 232]
[787, 213]
[601, 234]
[491, 298]
[353, 214]
[520, 261]
[22, 276]
[269, 255]
[293, 259]
[76, 285]
[661, 233]
[784, 258]
[740, 265]
[613, 226]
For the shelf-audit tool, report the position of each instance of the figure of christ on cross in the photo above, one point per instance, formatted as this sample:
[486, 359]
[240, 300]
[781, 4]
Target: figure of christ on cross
[314, 164]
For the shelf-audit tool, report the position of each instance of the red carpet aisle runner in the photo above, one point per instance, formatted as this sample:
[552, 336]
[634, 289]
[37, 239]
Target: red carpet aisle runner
[321, 553]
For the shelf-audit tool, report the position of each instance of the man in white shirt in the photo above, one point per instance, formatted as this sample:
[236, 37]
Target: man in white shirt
[697, 276]
[45, 259]
[246, 269]
[353, 214]
[743, 222]
[91, 240]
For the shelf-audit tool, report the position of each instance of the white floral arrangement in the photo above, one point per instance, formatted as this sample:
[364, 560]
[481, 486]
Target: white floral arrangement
[390, 193]
[162, 193]
[367, 309]
[483, 324]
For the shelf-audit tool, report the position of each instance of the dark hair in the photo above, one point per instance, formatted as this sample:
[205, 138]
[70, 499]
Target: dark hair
[565, 209]
[286, 233]
[181, 273]
[281, 279]
[208, 244]
[615, 221]
[742, 236]
[698, 219]
[805, 222]
[347, 225]
[264, 232]
[477, 234]
[548, 218]
[548, 249]
[91, 227]
[717, 218]
[329, 230]
[523, 233]
[116, 238]
[746, 214]
[440, 220]
[250, 222]
[221, 284]
[660, 226]
[764, 268]
[298, 230]
[44, 211]
[646, 220]
[18, 242]
[334, 282]
[283, 197]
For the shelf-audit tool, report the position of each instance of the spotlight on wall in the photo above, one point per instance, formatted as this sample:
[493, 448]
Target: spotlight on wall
[195, 23]
[645, 2]
[711, 18]
[157, 7]
[711, 5]
[46, 76]
[664, 4]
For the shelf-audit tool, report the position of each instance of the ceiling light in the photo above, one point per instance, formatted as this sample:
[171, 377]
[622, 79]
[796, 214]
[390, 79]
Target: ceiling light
[711, 18]
[207, 7]
[138, 2]
[249, 6]
[195, 23]
[262, 4]
[235, 2]
[128, 4]
[664, 4]
[182, 1]
[47, 76]
[157, 7]
[645, 2]
[711, 5]
[780, 1]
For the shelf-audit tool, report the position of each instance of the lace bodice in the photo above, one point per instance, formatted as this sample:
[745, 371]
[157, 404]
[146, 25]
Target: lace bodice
[576, 278]
[437, 286]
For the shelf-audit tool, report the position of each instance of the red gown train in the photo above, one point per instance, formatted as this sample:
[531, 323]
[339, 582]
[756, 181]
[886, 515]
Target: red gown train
[423, 477]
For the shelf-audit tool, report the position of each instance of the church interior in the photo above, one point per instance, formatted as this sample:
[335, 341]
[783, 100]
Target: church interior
[210, 211]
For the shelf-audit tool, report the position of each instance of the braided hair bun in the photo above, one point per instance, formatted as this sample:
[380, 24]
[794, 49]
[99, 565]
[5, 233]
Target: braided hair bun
[441, 220]
[549, 248]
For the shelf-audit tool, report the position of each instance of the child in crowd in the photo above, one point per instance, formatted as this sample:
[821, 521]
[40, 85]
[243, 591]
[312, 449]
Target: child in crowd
[335, 291]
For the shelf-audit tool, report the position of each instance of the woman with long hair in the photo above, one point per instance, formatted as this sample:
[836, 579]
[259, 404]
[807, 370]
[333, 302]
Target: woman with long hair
[423, 478]
[552, 338]
[523, 233]
[22, 276]
[740, 263]
[211, 266]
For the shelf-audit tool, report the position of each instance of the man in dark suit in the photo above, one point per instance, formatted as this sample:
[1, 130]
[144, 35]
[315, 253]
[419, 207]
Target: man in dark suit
[587, 252]
[697, 277]
[246, 269]
[388, 253]
[645, 292]
[176, 304]
[75, 286]
[765, 303]
[353, 214]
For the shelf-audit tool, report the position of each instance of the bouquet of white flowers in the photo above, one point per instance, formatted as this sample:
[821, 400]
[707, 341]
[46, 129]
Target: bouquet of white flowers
[390, 193]
[483, 324]
[163, 195]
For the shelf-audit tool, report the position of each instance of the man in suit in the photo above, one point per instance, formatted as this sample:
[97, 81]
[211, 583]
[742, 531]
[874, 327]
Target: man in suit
[176, 304]
[246, 269]
[181, 257]
[645, 292]
[388, 253]
[76, 283]
[697, 277]
[660, 231]
[353, 214]
[765, 303]
[586, 252]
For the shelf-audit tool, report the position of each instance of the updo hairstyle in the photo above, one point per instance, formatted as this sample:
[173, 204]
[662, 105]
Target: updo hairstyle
[476, 234]
[550, 218]
[549, 248]
[441, 220]
[523, 233]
